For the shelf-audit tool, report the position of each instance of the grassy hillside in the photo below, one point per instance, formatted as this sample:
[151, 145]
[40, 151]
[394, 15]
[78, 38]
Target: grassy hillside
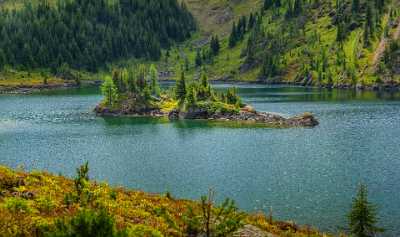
[42, 204]
[306, 39]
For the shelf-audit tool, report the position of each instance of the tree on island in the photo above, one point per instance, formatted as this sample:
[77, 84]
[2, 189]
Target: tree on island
[110, 92]
[155, 87]
[363, 217]
[180, 90]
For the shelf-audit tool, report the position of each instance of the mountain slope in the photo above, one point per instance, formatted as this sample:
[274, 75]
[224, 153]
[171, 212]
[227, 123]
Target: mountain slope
[334, 43]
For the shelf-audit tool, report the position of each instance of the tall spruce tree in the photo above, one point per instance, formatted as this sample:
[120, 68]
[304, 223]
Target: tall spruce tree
[363, 217]
[109, 90]
[155, 87]
[180, 89]
[214, 45]
[233, 37]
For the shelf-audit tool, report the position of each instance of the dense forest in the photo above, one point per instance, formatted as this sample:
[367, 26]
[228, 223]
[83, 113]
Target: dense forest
[85, 34]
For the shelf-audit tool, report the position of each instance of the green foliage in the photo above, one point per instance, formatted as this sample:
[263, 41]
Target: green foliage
[391, 59]
[82, 178]
[219, 221]
[155, 87]
[180, 90]
[17, 204]
[231, 97]
[191, 96]
[87, 223]
[88, 34]
[214, 45]
[142, 231]
[45, 204]
[109, 91]
[362, 218]
[199, 59]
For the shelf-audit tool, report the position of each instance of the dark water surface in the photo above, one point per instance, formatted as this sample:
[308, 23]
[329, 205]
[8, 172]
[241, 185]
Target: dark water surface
[307, 175]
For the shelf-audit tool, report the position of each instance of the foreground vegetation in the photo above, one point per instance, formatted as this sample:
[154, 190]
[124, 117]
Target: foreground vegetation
[43, 204]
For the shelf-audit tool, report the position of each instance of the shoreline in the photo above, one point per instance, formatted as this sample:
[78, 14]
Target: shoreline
[26, 90]
[29, 89]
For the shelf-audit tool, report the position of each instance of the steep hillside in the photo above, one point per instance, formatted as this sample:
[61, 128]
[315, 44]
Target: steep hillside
[334, 43]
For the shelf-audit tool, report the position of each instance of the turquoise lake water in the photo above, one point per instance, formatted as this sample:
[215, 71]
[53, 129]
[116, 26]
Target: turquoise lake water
[306, 175]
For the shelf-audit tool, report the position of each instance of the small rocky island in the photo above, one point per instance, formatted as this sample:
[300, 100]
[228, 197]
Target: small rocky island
[136, 92]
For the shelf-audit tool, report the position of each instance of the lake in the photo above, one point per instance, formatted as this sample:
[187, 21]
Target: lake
[308, 175]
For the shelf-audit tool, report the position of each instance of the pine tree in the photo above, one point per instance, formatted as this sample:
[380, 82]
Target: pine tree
[155, 87]
[355, 6]
[362, 217]
[233, 37]
[2, 59]
[131, 81]
[180, 90]
[110, 92]
[267, 4]
[369, 27]
[214, 45]
[298, 7]
[198, 59]
[191, 95]
[141, 78]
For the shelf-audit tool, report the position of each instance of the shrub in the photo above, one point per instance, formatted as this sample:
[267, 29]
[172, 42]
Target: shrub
[16, 204]
[213, 221]
[45, 204]
[87, 223]
[142, 231]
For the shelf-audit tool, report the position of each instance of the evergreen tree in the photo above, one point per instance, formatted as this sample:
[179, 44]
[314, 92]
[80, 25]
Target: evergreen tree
[268, 4]
[2, 59]
[252, 21]
[131, 81]
[191, 95]
[155, 87]
[369, 19]
[109, 91]
[198, 59]
[214, 45]
[362, 218]
[141, 78]
[233, 37]
[298, 7]
[180, 90]
[355, 6]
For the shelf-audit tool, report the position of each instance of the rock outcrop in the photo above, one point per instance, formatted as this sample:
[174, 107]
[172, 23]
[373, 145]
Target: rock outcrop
[249, 116]
[246, 115]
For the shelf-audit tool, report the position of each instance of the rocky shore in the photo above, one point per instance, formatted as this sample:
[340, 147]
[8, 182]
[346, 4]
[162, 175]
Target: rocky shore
[246, 115]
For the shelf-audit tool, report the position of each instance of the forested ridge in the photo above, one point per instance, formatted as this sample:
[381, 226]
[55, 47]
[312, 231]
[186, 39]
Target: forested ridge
[86, 34]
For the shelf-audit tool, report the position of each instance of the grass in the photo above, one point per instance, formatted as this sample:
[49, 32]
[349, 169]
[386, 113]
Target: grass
[15, 79]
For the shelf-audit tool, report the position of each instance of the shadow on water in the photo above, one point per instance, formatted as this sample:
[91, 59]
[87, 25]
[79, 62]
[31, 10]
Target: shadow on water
[133, 121]
[299, 94]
